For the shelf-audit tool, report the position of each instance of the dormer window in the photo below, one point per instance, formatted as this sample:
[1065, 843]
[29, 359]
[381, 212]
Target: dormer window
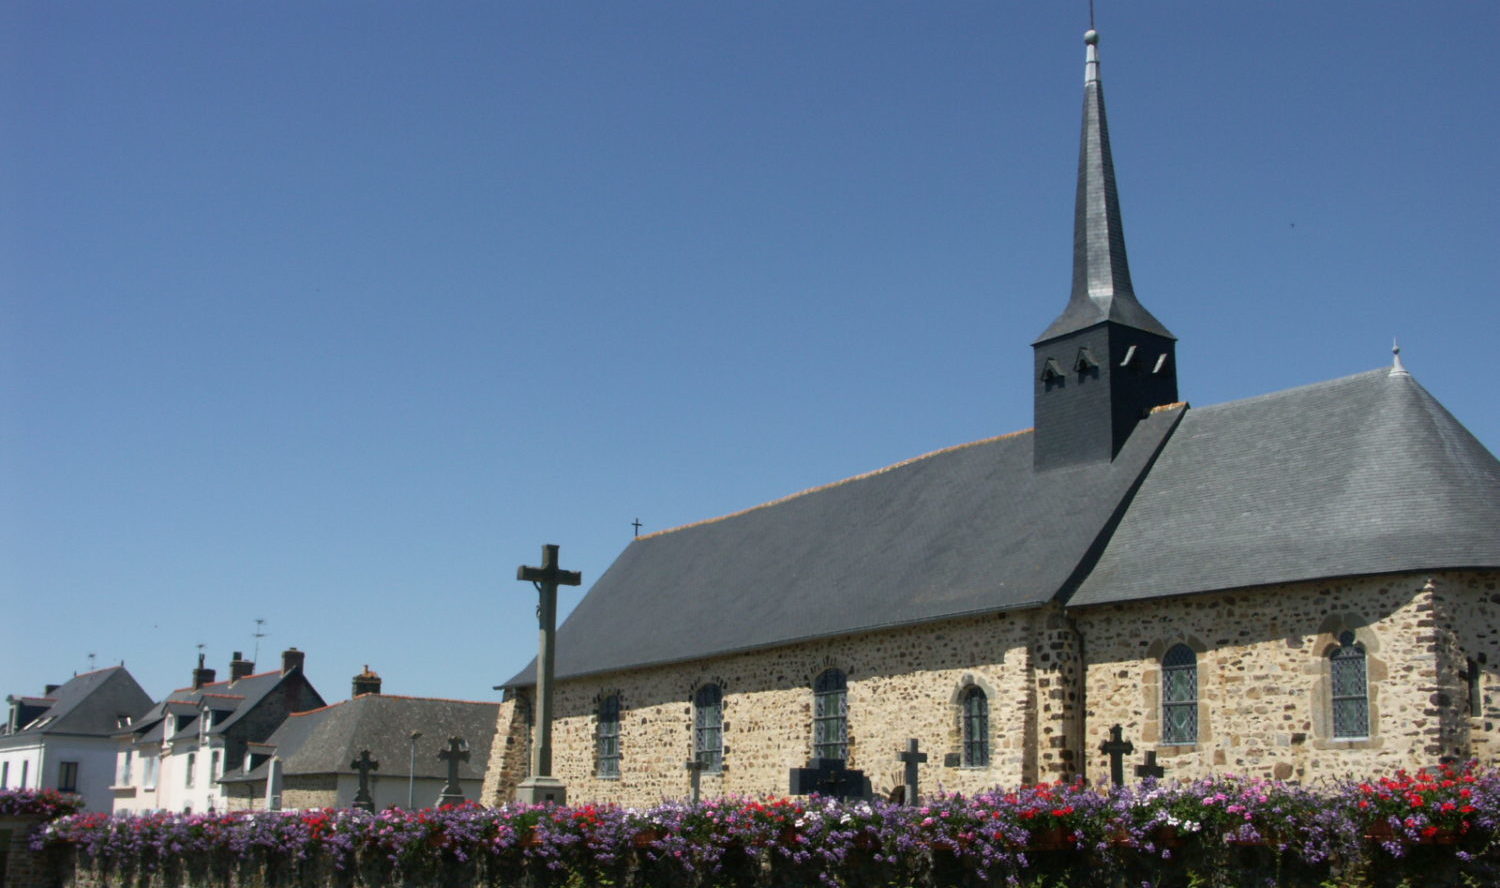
[1085, 361]
[1051, 372]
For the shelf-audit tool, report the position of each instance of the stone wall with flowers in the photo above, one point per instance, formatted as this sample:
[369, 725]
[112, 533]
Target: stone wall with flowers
[1263, 673]
[901, 684]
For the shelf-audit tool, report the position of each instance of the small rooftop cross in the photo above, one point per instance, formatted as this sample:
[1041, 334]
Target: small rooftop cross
[910, 757]
[695, 768]
[637, 525]
[364, 765]
[457, 751]
[541, 786]
[1150, 768]
[1116, 747]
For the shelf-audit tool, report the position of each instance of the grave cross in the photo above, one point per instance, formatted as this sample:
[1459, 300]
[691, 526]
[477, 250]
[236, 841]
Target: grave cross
[457, 751]
[364, 765]
[1150, 768]
[911, 758]
[695, 768]
[541, 786]
[1116, 748]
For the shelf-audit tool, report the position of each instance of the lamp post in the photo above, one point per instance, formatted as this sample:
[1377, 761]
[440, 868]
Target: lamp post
[411, 772]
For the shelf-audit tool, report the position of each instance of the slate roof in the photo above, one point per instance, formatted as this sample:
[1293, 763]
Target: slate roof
[968, 530]
[1362, 475]
[235, 697]
[326, 740]
[89, 704]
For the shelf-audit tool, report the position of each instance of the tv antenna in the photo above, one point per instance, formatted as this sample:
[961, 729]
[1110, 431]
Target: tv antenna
[91, 661]
[260, 632]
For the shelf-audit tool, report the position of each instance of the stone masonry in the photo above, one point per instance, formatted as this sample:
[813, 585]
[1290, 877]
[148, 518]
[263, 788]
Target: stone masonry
[1056, 680]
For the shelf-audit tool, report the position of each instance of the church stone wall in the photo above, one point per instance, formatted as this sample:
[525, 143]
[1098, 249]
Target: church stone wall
[1263, 674]
[902, 684]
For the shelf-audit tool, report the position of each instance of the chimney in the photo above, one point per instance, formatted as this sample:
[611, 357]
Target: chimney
[291, 658]
[202, 676]
[51, 689]
[239, 667]
[366, 682]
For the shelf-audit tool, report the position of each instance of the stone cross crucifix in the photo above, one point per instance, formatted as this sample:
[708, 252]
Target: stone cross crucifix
[910, 758]
[541, 786]
[457, 751]
[364, 765]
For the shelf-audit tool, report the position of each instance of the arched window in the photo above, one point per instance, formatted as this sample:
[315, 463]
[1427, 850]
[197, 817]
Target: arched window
[975, 715]
[831, 715]
[1350, 689]
[607, 738]
[708, 727]
[1179, 695]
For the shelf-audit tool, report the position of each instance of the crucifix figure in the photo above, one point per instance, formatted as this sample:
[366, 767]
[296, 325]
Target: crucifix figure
[1150, 768]
[541, 786]
[364, 765]
[910, 758]
[695, 772]
[457, 751]
[1116, 747]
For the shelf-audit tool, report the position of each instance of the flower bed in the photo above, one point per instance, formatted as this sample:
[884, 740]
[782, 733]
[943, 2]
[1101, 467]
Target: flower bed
[1234, 828]
[40, 804]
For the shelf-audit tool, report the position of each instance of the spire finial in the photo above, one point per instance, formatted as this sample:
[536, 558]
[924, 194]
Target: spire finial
[1397, 369]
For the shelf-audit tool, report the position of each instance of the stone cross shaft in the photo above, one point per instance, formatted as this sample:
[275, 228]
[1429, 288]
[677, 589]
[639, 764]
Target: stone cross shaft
[695, 770]
[910, 758]
[457, 751]
[364, 765]
[1116, 747]
[547, 578]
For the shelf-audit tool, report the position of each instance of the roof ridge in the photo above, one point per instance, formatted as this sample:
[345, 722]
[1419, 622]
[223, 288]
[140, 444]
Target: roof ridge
[319, 709]
[1383, 372]
[433, 699]
[832, 484]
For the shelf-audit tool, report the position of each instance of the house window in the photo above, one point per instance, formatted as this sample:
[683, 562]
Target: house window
[125, 763]
[607, 738]
[708, 728]
[192, 766]
[976, 727]
[213, 766]
[67, 776]
[831, 715]
[25, 773]
[4, 775]
[148, 771]
[1179, 696]
[1351, 700]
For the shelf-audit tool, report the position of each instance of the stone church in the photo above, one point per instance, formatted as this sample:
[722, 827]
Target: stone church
[1299, 585]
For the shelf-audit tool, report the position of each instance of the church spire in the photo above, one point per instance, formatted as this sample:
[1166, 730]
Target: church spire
[1101, 273]
[1106, 361]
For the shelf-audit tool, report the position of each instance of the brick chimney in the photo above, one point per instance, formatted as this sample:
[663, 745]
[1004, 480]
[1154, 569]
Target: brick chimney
[291, 658]
[239, 667]
[202, 676]
[50, 690]
[366, 682]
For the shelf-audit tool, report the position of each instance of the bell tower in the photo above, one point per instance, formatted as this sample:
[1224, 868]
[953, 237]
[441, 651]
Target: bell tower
[1106, 361]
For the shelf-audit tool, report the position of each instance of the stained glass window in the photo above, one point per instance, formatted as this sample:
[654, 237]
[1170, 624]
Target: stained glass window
[976, 728]
[1351, 690]
[831, 715]
[607, 737]
[708, 727]
[1179, 695]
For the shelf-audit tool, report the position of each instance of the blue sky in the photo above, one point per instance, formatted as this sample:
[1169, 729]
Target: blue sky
[331, 314]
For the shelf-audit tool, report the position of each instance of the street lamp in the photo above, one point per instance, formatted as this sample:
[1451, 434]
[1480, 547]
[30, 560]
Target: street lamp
[411, 772]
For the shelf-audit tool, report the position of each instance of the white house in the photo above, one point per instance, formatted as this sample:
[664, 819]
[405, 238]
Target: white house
[64, 739]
